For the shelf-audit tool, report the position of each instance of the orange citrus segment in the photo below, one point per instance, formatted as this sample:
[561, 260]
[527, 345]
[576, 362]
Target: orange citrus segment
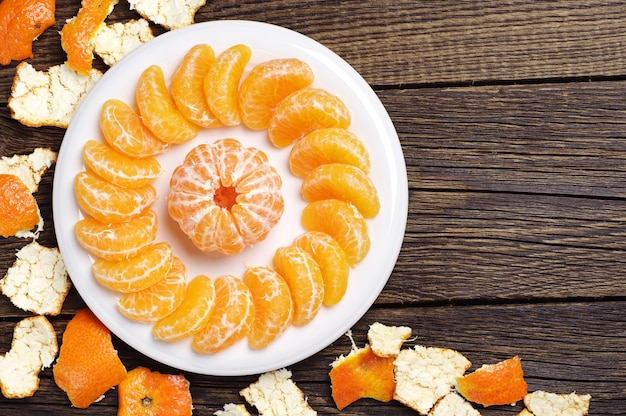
[88, 364]
[304, 278]
[221, 84]
[302, 112]
[496, 384]
[231, 318]
[109, 203]
[273, 306]
[332, 260]
[192, 313]
[158, 110]
[125, 132]
[118, 241]
[21, 22]
[147, 268]
[150, 393]
[158, 300]
[331, 145]
[78, 32]
[187, 86]
[343, 222]
[267, 84]
[345, 182]
[18, 208]
[117, 168]
[362, 374]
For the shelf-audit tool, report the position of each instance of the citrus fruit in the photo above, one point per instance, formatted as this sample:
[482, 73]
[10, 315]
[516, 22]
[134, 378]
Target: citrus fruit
[88, 364]
[118, 241]
[192, 313]
[150, 393]
[332, 261]
[187, 86]
[273, 306]
[225, 196]
[221, 84]
[496, 384]
[362, 374]
[345, 182]
[109, 203]
[158, 110]
[231, 318]
[147, 268]
[158, 300]
[117, 168]
[78, 32]
[125, 132]
[304, 278]
[330, 145]
[267, 84]
[18, 207]
[303, 111]
[343, 222]
[21, 22]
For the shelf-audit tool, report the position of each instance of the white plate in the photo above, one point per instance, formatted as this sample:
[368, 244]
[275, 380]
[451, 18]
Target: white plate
[370, 122]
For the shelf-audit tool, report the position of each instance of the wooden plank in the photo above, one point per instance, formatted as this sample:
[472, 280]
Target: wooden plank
[561, 139]
[586, 356]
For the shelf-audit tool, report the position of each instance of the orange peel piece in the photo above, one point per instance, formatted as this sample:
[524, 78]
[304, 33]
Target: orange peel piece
[21, 22]
[88, 364]
[150, 393]
[19, 211]
[495, 384]
[362, 374]
[78, 33]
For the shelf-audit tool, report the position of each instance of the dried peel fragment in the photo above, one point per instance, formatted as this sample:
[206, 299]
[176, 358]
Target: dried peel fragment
[48, 98]
[426, 374]
[171, 14]
[386, 341]
[113, 42]
[33, 348]
[276, 394]
[29, 168]
[541, 403]
[37, 281]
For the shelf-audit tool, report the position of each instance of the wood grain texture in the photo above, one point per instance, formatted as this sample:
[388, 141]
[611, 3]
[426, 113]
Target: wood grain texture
[512, 120]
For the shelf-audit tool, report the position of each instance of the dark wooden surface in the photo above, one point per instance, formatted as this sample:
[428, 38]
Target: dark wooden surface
[512, 119]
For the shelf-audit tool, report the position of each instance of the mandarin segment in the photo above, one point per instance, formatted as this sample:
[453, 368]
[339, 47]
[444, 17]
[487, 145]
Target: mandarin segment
[125, 132]
[88, 364]
[109, 203]
[304, 111]
[159, 300]
[221, 84]
[78, 32]
[231, 318]
[119, 169]
[147, 268]
[116, 242]
[267, 84]
[149, 393]
[330, 145]
[21, 22]
[187, 86]
[273, 306]
[343, 222]
[18, 207]
[304, 278]
[158, 110]
[192, 313]
[495, 384]
[332, 261]
[344, 182]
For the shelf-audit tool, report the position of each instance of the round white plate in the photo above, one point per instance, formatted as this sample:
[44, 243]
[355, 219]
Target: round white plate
[370, 122]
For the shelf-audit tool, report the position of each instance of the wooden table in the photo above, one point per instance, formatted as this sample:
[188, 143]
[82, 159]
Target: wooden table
[512, 119]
